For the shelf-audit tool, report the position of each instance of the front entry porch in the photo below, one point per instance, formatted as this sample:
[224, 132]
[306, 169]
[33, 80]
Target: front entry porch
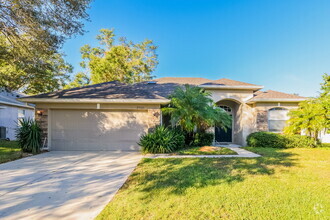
[231, 135]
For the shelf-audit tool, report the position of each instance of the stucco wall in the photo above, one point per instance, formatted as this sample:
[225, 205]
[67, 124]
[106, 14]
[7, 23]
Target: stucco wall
[248, 117]
[244, 114]
[9, 118]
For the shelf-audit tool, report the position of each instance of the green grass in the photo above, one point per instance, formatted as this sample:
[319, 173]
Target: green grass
[9, 150]
[283, 184]
[196, 151]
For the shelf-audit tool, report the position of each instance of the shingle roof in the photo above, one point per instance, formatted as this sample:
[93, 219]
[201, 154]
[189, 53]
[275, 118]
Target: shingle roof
[202, 81]
[271, 94]
[182, 80]
[144, 90]
[114, 90]
[230, 82]
[9, 98]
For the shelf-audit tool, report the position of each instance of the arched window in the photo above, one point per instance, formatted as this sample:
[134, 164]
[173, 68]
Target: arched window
[277, 118]
[226, 108]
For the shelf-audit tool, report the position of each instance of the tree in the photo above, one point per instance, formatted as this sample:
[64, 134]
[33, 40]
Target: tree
[192, 109]
[313, 115]
[80, 79]
[31, 74]
[126, 62]
[31, 32]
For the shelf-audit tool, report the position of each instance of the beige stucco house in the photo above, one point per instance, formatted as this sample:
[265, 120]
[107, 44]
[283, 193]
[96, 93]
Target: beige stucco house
[113, 115]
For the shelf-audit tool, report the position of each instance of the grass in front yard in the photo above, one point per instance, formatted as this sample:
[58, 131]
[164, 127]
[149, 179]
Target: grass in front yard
[283, 184]
[9, 150]
[206, 150]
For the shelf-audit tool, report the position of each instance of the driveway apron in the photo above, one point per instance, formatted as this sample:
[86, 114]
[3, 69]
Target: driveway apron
[63, 185]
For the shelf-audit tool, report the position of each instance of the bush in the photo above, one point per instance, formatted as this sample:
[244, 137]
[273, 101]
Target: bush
[202, 139]
[162, 140]
[29, 136]
[298, 141]
[268, 139]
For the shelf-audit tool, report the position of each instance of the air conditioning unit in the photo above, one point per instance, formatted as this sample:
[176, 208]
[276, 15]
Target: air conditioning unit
[3, 132]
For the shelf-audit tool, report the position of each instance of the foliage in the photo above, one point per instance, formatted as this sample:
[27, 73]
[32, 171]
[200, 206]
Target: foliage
[9, 150]
[282, 184]
[313, 115]
[202, 139]
[29, 135]
[273, 140]
[162, 140]
[80, 79]
[191, 108]
[299, 141]
[30, 35]
[24, 73]
[265, 139]
[126, 62]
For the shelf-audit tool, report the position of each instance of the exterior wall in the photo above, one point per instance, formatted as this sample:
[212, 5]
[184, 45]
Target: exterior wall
[261, 110]
[153, 119]
[247, 118]
[243, 114]
[9, 118]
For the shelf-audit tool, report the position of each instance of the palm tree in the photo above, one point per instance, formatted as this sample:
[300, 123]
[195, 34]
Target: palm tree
[309, 117]
[192, 109]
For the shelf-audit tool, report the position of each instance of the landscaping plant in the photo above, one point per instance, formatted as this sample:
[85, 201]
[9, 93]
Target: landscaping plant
[29, 135]
[162, 140]
[273, 140]
[193, 110]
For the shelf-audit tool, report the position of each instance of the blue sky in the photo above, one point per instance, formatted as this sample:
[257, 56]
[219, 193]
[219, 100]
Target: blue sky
[281, 44]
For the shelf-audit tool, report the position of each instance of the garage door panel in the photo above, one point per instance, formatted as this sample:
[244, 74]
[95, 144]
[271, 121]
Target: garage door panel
[97, 130]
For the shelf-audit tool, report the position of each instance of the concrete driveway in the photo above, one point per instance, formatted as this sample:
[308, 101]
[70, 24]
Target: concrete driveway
[62, 185]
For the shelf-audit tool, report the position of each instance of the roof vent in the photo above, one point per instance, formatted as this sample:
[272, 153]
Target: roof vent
[152, 82]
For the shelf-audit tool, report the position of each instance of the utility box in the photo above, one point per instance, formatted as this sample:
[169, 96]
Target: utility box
[3, 132]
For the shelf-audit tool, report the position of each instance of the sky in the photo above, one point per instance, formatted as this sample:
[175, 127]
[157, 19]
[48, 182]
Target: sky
[283, 45]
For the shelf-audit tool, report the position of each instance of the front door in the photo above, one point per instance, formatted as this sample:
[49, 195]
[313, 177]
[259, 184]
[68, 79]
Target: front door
[223, 136]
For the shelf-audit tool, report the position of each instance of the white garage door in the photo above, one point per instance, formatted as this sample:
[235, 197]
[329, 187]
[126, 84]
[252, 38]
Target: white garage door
[97, 130]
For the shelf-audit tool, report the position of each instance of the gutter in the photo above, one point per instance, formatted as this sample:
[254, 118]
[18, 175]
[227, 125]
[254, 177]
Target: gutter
[89, 100]
[17, 105]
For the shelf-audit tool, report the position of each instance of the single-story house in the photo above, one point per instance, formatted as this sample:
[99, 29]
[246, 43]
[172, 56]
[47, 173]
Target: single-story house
[113, 115]
[11, 111]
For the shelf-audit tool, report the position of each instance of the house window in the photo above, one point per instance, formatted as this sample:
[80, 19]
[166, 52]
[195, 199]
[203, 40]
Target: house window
[226, 108]
[21, 114]
[277, 118]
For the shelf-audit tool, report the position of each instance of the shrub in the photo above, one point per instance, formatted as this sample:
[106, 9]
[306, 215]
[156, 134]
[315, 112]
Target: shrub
[268, 139]
[203, 139]
[29, 136]
[162, 140]
[297, 141]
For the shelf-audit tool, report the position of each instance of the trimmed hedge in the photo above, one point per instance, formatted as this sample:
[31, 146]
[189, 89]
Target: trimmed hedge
[268, 139]
[162, 140]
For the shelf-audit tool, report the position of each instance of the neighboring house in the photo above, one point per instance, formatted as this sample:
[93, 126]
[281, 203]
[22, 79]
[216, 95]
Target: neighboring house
[113, 115]
[11, 111]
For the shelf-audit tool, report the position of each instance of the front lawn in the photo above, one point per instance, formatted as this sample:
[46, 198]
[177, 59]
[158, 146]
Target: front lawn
[9, 150]
[206, 150]
[283, 184]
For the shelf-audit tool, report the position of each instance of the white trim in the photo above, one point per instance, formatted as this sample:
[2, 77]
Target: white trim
[18, 105]
[231, 87]
[49, 130]
[98, 106]
[89, 100]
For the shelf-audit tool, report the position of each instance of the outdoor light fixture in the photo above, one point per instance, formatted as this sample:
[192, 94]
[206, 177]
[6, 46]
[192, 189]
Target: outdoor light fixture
[40, 112]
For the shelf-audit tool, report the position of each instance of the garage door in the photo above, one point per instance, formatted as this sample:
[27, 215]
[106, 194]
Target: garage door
[97, 130]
